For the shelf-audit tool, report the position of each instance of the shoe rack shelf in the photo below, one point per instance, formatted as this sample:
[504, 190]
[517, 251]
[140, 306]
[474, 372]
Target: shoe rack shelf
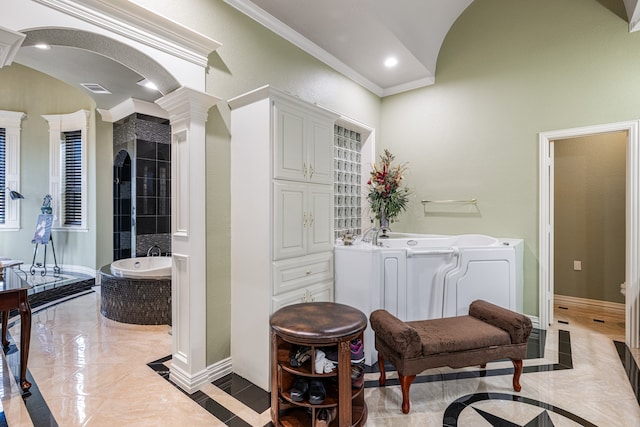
[316, 325]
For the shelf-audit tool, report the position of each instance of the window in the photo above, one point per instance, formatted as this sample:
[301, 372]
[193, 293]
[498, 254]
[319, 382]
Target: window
[68, 169]
[9, 168]
[3, 181]
[72, 186]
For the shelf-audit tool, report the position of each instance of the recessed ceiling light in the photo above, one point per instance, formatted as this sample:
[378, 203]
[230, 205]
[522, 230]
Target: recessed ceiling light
[148, 84]
[391, 62]
[42, 46]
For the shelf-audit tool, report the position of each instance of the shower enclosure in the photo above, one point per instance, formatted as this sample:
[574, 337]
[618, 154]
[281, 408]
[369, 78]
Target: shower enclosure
[141, 185]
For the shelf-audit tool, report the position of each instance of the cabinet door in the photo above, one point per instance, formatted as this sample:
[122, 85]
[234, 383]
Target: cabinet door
[320, 218]
[290, 219]
[320, 150]
[289, 151]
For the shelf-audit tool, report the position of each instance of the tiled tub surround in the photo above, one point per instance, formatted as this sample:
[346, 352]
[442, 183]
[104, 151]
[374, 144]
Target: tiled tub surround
[135, 301]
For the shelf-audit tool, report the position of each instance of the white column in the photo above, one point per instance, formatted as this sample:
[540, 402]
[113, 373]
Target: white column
[188, 111]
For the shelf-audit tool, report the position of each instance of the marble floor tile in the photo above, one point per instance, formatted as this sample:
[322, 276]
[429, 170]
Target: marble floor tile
[92, 371]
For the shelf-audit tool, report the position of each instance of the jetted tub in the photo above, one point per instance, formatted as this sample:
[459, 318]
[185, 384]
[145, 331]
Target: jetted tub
[419, 276]
[151, 266]
[143, 299]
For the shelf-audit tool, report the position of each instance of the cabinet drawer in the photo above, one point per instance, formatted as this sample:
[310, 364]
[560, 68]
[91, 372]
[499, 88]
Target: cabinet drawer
[295, 273]
[319, 293]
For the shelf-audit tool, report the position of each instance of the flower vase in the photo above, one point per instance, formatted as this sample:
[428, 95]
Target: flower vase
[384, 224]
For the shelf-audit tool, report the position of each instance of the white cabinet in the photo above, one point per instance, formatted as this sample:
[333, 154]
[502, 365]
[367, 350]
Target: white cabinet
[301, 151]
[302, 219]
[281, 217]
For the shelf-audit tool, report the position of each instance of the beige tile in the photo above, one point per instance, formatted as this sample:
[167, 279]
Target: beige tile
[93, 371]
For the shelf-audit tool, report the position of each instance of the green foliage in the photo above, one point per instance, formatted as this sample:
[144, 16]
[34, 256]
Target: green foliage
[386, 197]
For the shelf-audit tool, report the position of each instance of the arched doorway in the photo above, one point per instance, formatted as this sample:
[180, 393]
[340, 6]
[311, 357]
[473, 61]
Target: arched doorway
[176, 58]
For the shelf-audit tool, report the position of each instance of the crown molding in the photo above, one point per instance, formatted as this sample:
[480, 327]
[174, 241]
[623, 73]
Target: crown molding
[10, 42]
[140, 24]
[260, 16]
[404, 87]
[131, 106]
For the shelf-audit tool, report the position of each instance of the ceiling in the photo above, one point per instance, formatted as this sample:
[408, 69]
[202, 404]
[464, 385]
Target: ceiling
[77, 66]
[354, 37]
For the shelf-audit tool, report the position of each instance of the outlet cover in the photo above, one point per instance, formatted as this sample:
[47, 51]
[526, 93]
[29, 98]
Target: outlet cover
[577, 265]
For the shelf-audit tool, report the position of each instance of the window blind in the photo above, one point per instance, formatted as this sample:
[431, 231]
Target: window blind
[3, 176]
[72, 187]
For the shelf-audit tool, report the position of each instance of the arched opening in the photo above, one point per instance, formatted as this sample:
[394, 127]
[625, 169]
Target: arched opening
[122, 213]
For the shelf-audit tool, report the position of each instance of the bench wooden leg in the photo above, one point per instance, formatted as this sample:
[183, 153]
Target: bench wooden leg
[383, 376]
[517, 364]
[405, 383]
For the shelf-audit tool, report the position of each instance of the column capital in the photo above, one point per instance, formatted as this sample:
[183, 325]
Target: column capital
[186, 104]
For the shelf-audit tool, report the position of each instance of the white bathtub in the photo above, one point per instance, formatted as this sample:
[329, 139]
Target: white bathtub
[142, 267]
[418, 277]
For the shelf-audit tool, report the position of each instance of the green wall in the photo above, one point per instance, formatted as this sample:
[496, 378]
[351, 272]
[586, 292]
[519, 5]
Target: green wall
[589, 216]
[251, 56]
[507, 71]
[36, 94]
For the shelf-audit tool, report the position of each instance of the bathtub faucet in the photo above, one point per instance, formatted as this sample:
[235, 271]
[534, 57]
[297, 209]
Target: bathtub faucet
[151, 252]
[376, 233]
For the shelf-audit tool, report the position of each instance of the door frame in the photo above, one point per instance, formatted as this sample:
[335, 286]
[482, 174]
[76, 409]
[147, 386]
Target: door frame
[632, 223]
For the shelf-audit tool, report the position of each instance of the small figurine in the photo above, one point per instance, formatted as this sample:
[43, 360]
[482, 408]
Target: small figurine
[46, 205]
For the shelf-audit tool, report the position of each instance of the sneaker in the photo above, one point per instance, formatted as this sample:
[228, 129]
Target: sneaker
[299, 389]
[317, 392]
[320, 361]
[328, 366]
[357, 351]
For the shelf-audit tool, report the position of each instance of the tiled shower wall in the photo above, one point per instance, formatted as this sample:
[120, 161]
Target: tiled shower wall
[149, 139]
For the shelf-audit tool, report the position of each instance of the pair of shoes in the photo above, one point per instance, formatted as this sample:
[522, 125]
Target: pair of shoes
[323, 366]
[357, 376]
[325, 416]
[299, 355]
[299, 389]
[357, 351]
[317, 392]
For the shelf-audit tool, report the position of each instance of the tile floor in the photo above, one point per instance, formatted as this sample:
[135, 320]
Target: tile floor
[91, 371]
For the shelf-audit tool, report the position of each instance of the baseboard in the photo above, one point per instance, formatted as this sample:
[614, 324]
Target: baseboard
[219, 369]
[193, 383]
[590, 304]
